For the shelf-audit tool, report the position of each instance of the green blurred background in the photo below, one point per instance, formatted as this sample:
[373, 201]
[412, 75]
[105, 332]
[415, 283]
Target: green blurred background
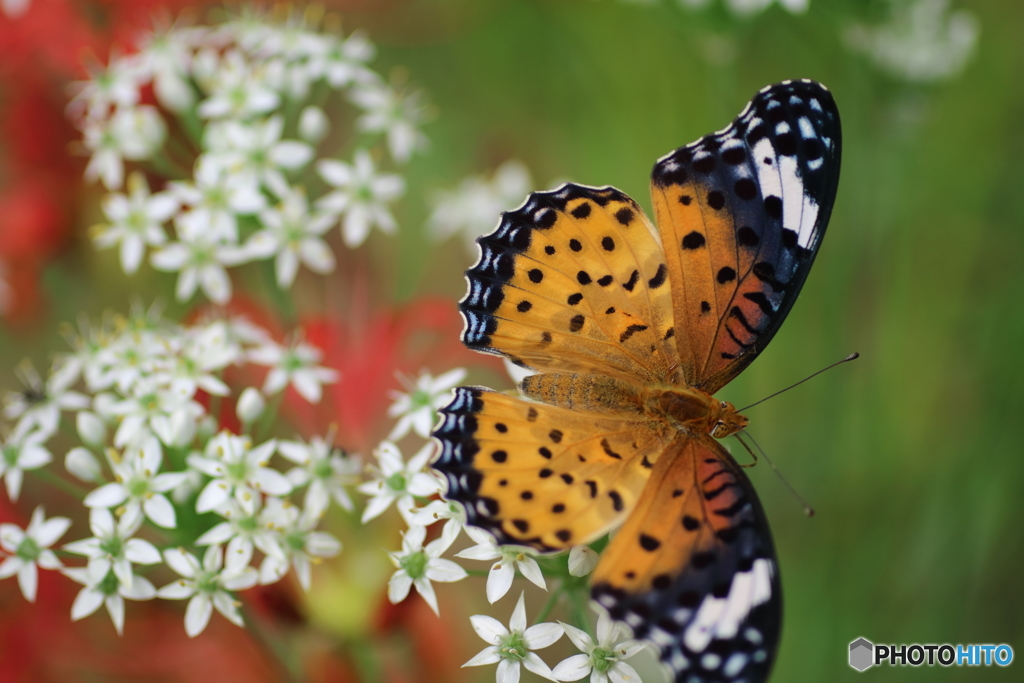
[911, 455]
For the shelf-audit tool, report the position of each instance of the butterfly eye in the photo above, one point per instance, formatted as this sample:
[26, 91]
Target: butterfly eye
[721, 430]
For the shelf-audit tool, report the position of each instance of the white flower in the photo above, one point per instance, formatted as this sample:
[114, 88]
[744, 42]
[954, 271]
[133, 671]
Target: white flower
[509, 557]
[166, 54]
[396, 115]
[207, 585]
[20, 452]
[205, 350]
[111, 87]
[473, 207]
[134, 133]
[245, 529]
[515, 645]
[249, 406]
[417, 410]
[582, 560]
[140, 487]
[418, 566]
[313, 124]
[238, 90]
[237, 469]
[303, 545]
[396, 480]
[324, 468]
[40, 403]
[135, 221]
[343, 61]
[151, 408]
[201, 260]
[603, 660]
[256, 152]
[112, 547]
[295, 365]
[924, 42]
[107, 591]
[30, 548]
[436, 510]
[91, 429]
[361, 197]
[293, 234]
[83, 465]
[216, 197]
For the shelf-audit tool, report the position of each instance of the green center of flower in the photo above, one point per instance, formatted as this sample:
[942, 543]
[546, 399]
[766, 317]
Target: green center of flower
[150, 403]
[247, 525]
[137, 488]
[137, 221]
[420, 398]
[414, 564]
[109, 584]
[215, 198]
[603, 659]
[322, 469]
[296, 541]
[512, 647]
[208, 582]
[396, 482]
[291, 362]
[237, 471]
[11, 455]
[28, 549]
[112, 546]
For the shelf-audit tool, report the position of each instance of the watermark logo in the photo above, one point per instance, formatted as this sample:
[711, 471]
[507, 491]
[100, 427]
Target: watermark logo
[864, 654]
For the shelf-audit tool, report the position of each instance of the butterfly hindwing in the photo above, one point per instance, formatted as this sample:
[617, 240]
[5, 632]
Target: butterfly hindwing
[540, 475]
[693, 568]
[741, 214]
[573, 281]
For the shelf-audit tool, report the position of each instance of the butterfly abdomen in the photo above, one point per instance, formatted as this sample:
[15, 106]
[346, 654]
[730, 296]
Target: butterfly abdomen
[594, 393]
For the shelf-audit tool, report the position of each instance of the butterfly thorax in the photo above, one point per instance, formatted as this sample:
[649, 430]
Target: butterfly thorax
[691, 410]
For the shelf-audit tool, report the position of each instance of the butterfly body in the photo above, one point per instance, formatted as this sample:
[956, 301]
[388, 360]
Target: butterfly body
[632, 329]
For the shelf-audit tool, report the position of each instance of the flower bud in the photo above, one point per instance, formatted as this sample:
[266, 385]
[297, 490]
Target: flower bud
[313, 124]
[91, 429]
[250, 405]
[582, 560]
[83, 464]
[206, 428]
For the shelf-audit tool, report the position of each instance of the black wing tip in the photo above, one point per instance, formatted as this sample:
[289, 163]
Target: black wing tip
[791, 98]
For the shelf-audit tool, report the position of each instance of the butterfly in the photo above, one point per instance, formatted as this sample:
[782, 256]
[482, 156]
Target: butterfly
[631, 330]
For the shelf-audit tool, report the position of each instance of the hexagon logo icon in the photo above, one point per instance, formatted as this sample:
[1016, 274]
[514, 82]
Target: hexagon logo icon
[862, 653]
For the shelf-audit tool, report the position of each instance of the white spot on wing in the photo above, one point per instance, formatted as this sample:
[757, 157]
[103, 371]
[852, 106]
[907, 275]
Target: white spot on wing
[735, 664]
[767, 173]
[806, 129]
[815, 164]
[792, 193]
[782, 128]
[721, 617]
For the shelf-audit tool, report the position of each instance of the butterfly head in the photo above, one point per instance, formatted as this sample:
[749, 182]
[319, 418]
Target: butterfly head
[728, 421]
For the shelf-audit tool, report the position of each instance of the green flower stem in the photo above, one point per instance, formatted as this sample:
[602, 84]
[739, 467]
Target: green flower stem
[269, 416]
[281, 300]
[67, 487]
[550, 604]
[578, 610]
[287, 660]
[167, 167]
[192, 125]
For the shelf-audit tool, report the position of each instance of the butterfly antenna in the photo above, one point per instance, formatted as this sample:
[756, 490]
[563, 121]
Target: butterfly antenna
[808, 510]
[852, 356]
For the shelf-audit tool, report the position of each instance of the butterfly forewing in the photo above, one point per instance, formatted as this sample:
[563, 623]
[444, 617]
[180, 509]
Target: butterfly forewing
[574, 281]
[693, 568]
[741, 214]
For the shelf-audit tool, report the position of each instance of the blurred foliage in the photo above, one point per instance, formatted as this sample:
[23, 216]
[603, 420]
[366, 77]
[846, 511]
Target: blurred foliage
[909, 454]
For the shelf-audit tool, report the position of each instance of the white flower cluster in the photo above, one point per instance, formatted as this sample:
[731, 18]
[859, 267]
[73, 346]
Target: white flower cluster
[237, 130]
[923, 42]
[409, 484]
[154, 452]
[469, 210]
